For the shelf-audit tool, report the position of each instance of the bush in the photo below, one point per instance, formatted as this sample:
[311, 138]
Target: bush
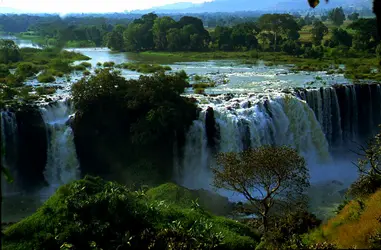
[45, 90]
[92, 213]
[365, 186]
[144, 68]
[4, 71]
[45, 77]
[108, 64]
[378, 51]
[79, 67]
[86, 64]
[26, 69]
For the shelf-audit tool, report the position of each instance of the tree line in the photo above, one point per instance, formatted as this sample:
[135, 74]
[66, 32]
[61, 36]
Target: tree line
[271, 32]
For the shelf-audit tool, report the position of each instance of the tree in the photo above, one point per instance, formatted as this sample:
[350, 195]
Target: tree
[341, 37]
[337, 16]
[115, 40]
[174, 39]
[278, 24]
[366, 36]
[324, 18]
[354, 16]
[265, 176]
[159, 30]
[319, 30]
[369, 168]
[9, 51]
[378, 51]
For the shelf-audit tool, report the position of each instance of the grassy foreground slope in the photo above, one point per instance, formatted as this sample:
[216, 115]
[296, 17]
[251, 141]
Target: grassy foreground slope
[357, 225]
[95, 214]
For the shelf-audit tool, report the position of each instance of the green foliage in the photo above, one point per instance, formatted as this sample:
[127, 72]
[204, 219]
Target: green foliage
[144, 68]
[319, 30]
[45, 77]
[9, 51]
[337, 16]
[108, 64]
[26, 69]
[93, 213]
[285, 231]
[354, 16]
[202, 200]
[4, 71]
[139, 119]
[365, 185]
[45, 90]
[80, 67]
[86, 64]
[378, 51]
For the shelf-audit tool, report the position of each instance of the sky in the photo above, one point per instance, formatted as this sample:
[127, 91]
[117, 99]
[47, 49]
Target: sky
[70, 6]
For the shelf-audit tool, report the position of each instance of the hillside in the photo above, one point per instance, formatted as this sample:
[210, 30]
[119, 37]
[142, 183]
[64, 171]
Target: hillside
[357, 225]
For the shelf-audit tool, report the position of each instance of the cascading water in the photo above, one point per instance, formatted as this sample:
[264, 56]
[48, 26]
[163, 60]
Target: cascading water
[62, 164]
[317, 122]
[9, 150]
[244, 122]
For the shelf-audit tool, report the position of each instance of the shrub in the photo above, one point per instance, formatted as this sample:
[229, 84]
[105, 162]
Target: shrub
[86, 73]
[144, 68]
[86, 64]
[26, 69]
[365, 186]
[45, 90]
[45, 77]
[79, 67]
[4, 71]
[108, 64]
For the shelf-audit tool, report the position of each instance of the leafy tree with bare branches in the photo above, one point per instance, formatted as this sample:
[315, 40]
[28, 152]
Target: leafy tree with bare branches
[266, 176]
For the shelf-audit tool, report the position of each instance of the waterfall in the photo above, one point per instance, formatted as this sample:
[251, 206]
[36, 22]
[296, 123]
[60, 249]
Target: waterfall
[194, 171]
[9, 151]
[275, 120]
[62, 164]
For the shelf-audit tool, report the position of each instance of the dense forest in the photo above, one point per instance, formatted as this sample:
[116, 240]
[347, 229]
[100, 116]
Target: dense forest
[293, 34]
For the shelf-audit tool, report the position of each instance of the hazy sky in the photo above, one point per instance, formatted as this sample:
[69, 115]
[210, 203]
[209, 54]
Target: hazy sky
[66, 6]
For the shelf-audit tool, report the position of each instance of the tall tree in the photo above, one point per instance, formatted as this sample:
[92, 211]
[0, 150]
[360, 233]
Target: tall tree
[319, 30]
[337, 16]
[9, 51]
[265, 176]
[278, 24]
[159, 30]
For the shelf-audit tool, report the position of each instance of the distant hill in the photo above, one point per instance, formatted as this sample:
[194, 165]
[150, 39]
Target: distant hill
[252, 5]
